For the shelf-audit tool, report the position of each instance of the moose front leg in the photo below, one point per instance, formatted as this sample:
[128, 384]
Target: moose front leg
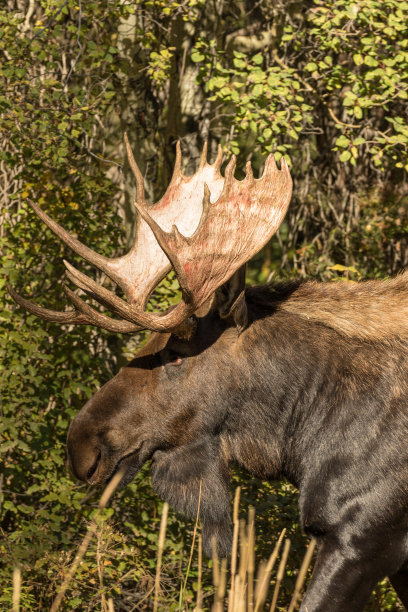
[195, 477]
[341, 582]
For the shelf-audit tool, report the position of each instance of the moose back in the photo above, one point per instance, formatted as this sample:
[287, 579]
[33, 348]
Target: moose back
[303, 380]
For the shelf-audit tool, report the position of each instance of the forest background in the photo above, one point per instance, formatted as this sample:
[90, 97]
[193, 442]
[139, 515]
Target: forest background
[324, 83]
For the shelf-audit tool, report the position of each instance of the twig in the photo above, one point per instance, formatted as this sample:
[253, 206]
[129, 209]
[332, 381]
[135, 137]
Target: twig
[75, 61]
[333, 116]
[220, 593]
[28, 16]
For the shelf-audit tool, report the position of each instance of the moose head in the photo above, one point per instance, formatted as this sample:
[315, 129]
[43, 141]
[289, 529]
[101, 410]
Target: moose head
[170, 402]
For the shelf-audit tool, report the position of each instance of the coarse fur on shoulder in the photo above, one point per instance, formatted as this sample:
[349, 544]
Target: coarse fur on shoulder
[369, 310]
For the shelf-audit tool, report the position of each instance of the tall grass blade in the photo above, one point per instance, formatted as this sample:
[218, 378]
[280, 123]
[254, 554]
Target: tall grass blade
[216, 564]
[263, 581]
[243, 552]
[16, 589]
[110, 605]
[234, 550]
[220, 592]
[192, 549]
[251, 557]
[302, 575]
[280, 573]
[162, 535]
[236, 504]
[239, 601]
[199, 602]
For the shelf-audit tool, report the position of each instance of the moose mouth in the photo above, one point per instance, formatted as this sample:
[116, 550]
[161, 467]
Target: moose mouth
[130, 464]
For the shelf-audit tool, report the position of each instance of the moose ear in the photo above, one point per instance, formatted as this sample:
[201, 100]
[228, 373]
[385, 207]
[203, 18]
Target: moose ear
[230, 300]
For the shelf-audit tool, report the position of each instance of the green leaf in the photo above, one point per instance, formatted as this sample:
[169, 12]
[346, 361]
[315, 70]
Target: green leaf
[345, 156]
[258, 90]
[342, 141]
[196, 57]
[311, 67]
[358, 112]
[370, 61]
[258, 59]
[239, 63]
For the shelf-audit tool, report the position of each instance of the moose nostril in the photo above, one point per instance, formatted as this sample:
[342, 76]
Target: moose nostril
[93, 469]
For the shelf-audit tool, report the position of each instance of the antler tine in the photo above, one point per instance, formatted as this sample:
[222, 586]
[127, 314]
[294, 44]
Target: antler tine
[249, 175]
[82, 315]
[88, 254]
[270, 164]
[159, 233]
[230, 168]
[96, 318]
[116, 305]
[218, 159]
[284, 166]
[177, 164]
[203, 156]
[229, 176]
[140, 195]
[45, 313]
[100, 294]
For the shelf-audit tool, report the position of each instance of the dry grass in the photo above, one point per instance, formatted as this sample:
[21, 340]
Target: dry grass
[244, 588]
[248, 591]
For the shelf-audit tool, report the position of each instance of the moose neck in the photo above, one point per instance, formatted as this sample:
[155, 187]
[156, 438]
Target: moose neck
[288, 378]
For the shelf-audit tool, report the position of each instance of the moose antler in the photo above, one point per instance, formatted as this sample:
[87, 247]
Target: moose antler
[205, 226]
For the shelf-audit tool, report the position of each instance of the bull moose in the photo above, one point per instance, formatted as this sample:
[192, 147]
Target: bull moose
[305, 380]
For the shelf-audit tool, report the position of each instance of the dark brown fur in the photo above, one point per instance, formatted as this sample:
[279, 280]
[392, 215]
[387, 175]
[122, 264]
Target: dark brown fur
[314, 389]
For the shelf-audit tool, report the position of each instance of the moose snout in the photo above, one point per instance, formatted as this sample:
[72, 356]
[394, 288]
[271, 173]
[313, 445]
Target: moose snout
[86, 456]
[91, 464]
[83, 458]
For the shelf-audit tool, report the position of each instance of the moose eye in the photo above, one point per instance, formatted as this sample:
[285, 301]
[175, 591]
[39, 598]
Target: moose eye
[172, 362]
[174, 359]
